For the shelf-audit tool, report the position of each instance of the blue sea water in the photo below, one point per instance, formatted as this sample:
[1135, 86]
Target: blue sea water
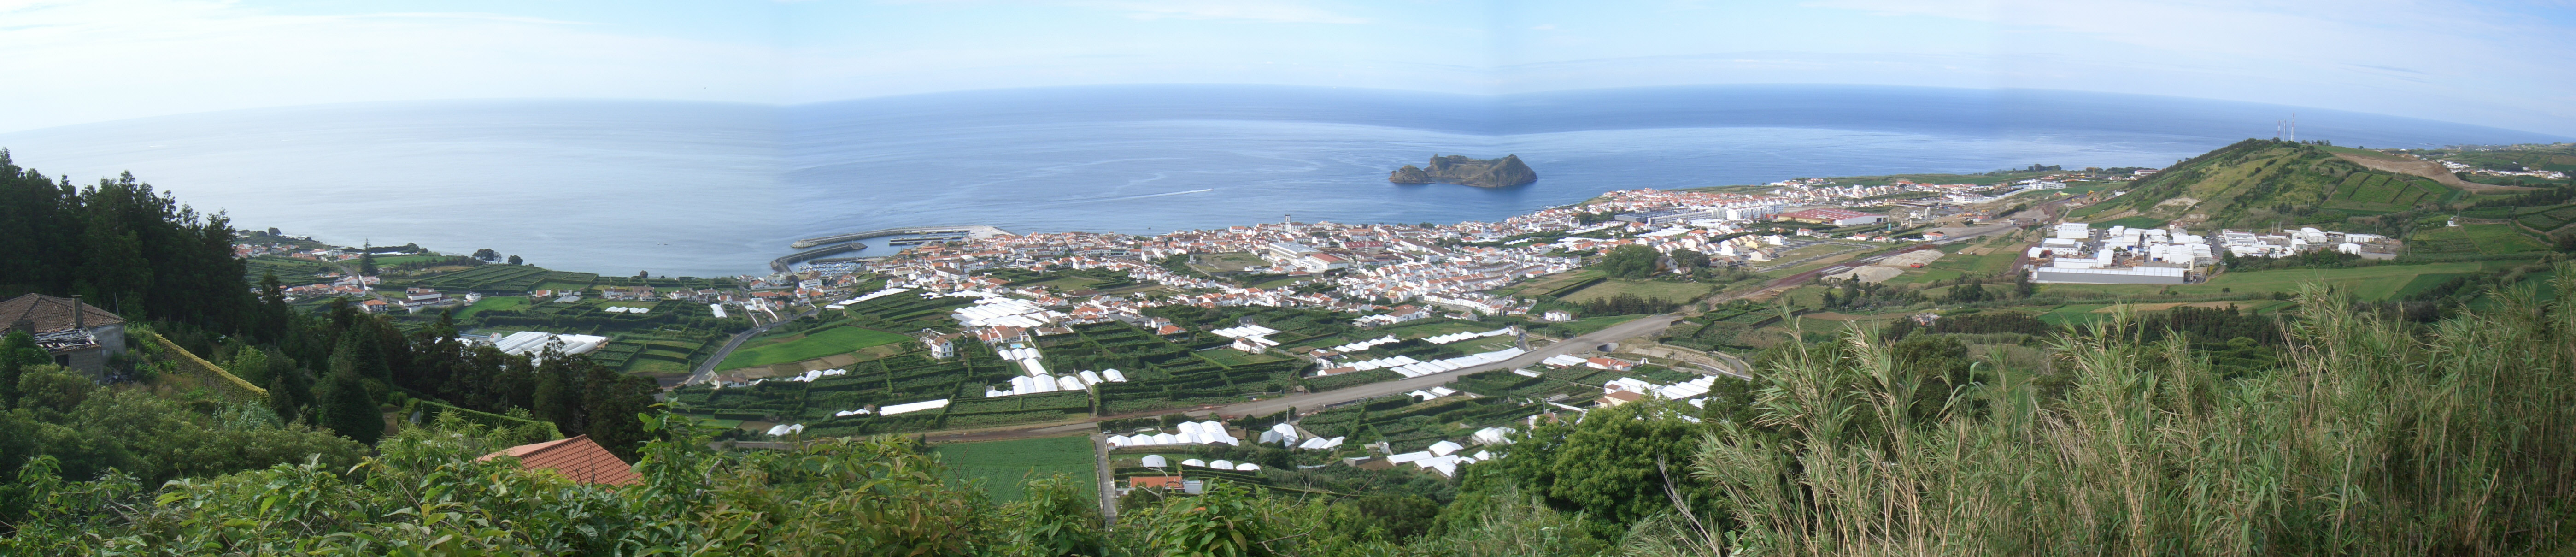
[717, 189]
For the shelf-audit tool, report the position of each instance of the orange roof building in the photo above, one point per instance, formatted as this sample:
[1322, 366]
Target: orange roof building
[1165, 482]
[578, 458]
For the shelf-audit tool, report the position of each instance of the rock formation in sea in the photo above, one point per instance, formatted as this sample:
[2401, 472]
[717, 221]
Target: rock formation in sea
[1458, 169]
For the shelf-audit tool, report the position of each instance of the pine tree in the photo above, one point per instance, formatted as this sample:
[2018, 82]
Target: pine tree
[350, 410]
[282, 397]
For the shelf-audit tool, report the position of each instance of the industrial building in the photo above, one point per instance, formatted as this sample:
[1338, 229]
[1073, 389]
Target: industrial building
[1666, 216]
[2132, 275]
[1836, 217]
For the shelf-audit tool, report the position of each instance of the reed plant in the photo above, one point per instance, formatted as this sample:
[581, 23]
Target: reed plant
[2375, 437]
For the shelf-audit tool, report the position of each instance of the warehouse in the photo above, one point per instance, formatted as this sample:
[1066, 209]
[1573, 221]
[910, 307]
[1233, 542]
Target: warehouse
[2135, 275]
[1665, 216]
[1836, 217]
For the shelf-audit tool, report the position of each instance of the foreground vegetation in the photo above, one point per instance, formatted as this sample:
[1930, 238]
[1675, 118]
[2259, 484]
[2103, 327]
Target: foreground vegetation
[2374, 437]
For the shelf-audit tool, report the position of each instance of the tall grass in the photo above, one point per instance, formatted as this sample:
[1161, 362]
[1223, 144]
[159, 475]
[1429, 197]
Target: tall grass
[2377, 438]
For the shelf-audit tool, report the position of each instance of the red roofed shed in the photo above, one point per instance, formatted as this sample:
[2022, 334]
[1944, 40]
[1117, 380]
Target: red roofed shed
[578, 458]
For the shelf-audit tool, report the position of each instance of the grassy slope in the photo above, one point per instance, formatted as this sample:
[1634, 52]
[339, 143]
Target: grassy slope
[2243, 185]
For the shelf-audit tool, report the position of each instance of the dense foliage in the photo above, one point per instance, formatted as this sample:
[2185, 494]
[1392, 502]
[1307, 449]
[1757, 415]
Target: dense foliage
[119, 244]
[2372, 436]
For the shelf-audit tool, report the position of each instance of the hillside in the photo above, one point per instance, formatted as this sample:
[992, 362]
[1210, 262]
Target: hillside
[2260, 183]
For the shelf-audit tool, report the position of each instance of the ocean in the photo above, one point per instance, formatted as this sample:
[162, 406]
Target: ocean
[711, 189]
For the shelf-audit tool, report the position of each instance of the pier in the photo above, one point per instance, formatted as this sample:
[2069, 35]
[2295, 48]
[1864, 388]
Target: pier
[971, 231]
[838, 243]
[784, 263]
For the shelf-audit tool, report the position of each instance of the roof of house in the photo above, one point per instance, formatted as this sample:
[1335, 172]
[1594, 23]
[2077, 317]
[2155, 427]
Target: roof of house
[50, 313]
[1154, 481]
[578, 458]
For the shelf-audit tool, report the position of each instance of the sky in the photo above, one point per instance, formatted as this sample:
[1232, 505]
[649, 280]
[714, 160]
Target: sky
[2502, 64]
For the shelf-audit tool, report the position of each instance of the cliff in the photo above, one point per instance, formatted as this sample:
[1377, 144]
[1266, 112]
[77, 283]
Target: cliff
[1457, 169]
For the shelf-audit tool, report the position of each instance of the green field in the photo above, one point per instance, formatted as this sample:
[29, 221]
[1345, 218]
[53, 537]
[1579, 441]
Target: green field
[1673, 291]
[1000, 465]
[2427, 281]
[1545, 284]
[1230, 357]
[838, 340]
[392, 260]
[2372, 283]
[2131, 222]
[2479, 238]
[492, 303]
[1971, 265]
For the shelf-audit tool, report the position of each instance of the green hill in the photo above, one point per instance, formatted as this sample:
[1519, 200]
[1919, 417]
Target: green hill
[2259, 183]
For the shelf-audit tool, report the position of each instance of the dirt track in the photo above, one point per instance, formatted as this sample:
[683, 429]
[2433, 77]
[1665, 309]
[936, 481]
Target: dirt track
[2428, 169]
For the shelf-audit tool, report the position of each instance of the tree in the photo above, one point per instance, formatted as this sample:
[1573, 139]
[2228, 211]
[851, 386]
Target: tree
[612, 403]
[250, 364]
[52, 390]
[642, 275]
[515, 260]
[1689, 260]
[348, 406]
[1606, 464]
[18, 351]
[367, 264]
[1968, 293]
[349, 410]
[1631, 262]
[487, 255]
[288, 391]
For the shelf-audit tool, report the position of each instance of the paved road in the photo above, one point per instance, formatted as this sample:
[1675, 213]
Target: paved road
[707, 371]
[1310, 402]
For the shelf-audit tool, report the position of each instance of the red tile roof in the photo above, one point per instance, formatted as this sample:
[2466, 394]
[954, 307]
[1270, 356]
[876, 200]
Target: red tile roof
[49, 314]
[578, 458]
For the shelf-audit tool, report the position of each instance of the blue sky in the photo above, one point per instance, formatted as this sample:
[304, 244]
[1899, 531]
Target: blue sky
[2503, 64]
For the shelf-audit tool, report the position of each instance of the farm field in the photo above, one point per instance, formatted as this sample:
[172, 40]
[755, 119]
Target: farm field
[1231, 261]
[2383, 193]
[1673, 291]
[1550, 283]
[492, 303]
[392, 260]
[1230, 357]
[2131, 222]
[2474, 238]
[838, 340]
[999, 466]
[2374, 283]
[290, 271]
